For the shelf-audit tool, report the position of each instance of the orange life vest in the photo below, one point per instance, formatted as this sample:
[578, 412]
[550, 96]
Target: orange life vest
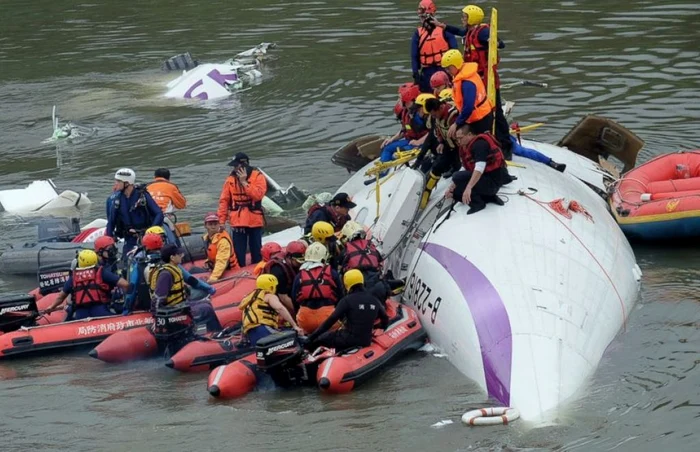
[89, 288]
[431, 46]
[476, 52]
[244, 211]
[361, 254]
[212, 249]
[317, 284]
[494, 161]
[482, 104]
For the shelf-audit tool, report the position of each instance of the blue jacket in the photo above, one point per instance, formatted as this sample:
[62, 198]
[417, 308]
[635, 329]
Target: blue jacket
[129, 214]
[415, 51]
[469, 97]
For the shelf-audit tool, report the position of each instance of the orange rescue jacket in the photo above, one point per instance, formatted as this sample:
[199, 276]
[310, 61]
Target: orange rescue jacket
[244, 204]
[482, 104]
[166, 194]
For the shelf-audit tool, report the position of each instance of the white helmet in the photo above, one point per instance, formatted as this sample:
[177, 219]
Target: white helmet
[351, 230]
[125, 175]
[316, 252]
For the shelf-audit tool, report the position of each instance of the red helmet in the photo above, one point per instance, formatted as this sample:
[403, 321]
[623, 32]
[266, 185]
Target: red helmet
[408, 92]
[427, 7]
[296, 247]
[398, 108]
[152, 242]
[270, 249]
[103, 243]
[439, 79]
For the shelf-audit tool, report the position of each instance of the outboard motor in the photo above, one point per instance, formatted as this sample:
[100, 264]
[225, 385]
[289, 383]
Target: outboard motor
[173, 328]
[17, 311]
[280, 355]
[58, 229]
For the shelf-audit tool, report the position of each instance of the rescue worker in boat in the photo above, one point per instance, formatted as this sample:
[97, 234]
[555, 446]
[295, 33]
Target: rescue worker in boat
[359, 253]
[476, 50]
[132, 211]
[468, 94]
[169, 288]
[165, 193]
[241, 201]
[441, 117]
[323, 233]
[220, 254]
[484, 170]
[413, 129]
[90, 287]
[317, 288]
[106, 249]
[267, 251]
[262, 310]
[357, 311]
[428, 44]
[336, 212]
[285, 267]
[439, 82]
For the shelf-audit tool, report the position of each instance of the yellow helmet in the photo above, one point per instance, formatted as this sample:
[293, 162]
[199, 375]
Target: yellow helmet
[267, 282]
[452, 57]
[351, 229]
[316, 252]
[474, 14]
[352, 278]
[321, 230]
[87, 258]
[445, 95]
[155, 230]
[422, 99]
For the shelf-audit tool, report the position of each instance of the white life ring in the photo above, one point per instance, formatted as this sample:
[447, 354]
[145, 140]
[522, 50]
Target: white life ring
[500, 415]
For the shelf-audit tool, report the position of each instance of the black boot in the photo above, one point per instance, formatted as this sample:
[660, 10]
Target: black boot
[557, 166]
[495, 199]
[474, 207]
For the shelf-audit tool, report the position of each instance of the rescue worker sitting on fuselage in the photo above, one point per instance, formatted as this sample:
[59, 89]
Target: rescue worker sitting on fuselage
[90, 286]
[168, 288]
[219, 246]
[284, 267]
[262, 310]
[335, 213]
[439, 82]
[484, 170]
[413, 129]
[357, 311]
[317, 288]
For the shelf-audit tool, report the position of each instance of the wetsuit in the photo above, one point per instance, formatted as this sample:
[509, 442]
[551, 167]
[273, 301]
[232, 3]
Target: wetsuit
[358, 311]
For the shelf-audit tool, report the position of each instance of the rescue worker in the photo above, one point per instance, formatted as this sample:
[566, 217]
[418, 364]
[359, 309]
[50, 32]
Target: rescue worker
[469, 94]
[267, 251]
[336, 212]
[317, 288]
[357, 311]
[285, 267]
[242, 196]
[165, 193]
[428, 44]
[440, 81]
[220, 254]
[106, 249]
[262, 310]
[413, 130]
[484, 170]
[90, 286]
[323, 233]
[168, 288]
[476, 50]
[442, 116]
[132, 211]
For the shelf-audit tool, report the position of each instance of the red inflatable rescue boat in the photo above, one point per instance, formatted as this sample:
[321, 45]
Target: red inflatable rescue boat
[281, 357]
[660, 200]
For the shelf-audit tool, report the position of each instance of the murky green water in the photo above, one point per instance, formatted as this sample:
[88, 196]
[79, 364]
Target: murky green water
[335, 77]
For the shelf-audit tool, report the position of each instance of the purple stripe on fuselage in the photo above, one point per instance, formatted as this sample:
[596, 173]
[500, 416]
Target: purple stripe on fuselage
[490, 318]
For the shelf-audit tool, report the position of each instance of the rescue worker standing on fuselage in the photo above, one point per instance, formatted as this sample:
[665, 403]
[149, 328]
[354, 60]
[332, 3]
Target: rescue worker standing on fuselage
[90, 287]
[335, 213]
[484, 170]
[358, 311]
[262, 310]
[242, 196]
[317, 288]
[132, 211]
[469, 94]
[428, 44]
[168, 288]
[220, 254]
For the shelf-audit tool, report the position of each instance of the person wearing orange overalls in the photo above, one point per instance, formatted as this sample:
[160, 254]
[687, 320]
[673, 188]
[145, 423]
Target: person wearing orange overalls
[241, 203]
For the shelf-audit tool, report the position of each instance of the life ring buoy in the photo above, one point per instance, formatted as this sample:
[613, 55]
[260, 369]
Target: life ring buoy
[500, 415]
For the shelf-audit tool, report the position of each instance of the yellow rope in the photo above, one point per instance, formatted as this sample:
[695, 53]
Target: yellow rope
[529, 128]
[402, 157]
